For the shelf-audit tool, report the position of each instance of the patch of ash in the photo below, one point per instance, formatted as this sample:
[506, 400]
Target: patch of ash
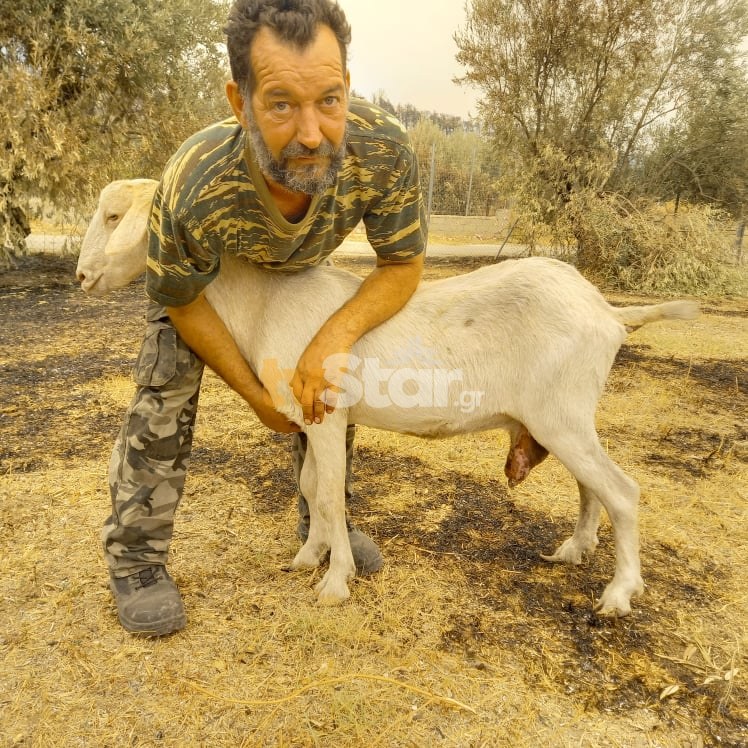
[698, 452]
[513, 601]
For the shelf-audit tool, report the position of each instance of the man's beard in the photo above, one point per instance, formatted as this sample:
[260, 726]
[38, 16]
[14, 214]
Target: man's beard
[307, 179]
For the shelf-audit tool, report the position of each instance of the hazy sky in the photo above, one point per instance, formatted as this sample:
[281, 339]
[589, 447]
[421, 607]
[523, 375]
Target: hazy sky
[405, 47]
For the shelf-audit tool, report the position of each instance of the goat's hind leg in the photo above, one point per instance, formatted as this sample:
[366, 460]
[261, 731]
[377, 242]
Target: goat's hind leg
[598, 476]
[584, 539]
[622, 506]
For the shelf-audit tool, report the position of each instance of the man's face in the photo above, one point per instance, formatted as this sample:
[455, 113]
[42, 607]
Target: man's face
[296, 116]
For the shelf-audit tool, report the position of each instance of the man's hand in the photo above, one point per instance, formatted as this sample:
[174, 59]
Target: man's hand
[271, 418]
[383, 293]
[317, 376]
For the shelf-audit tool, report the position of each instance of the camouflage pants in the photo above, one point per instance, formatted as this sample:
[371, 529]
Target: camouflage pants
[151, 454]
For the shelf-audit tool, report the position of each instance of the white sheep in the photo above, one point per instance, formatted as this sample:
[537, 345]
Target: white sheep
[525, 342]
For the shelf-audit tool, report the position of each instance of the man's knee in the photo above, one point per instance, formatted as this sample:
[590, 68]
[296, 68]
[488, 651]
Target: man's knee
[157, 431]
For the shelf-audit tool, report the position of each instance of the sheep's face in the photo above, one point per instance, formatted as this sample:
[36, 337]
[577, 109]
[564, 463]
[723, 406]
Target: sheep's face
[114, 247]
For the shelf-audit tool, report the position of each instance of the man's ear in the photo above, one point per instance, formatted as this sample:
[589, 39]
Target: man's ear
[236, 102]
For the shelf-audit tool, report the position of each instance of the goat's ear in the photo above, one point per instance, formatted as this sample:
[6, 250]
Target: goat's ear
[132, 230]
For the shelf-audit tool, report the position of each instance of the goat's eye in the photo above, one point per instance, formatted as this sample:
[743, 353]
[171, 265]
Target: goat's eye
[113, 218]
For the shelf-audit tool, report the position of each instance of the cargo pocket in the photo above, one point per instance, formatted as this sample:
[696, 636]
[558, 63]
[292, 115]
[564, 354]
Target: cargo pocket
[157, 361]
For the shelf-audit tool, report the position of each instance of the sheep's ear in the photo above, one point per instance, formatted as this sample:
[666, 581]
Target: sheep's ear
[132, 231]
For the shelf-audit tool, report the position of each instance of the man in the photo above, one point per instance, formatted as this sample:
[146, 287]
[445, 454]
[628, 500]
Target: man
[281, 186]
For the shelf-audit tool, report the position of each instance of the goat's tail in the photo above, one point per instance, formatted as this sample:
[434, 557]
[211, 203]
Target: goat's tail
[636, 316]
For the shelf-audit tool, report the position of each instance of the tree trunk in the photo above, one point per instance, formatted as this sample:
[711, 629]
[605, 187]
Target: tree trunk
[739, 234]
[14, 228]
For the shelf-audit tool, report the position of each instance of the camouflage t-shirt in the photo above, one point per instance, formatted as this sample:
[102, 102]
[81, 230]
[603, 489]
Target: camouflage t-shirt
[212, 199]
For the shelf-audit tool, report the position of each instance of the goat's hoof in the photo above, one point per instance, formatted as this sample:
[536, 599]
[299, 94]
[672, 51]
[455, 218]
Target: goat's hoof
[332, 591]
[306, 558]
[615, 602]
[605, 609]
[563, 558]
[570, 552]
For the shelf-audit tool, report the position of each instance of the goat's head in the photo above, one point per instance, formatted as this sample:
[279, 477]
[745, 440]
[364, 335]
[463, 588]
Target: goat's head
[115, 245]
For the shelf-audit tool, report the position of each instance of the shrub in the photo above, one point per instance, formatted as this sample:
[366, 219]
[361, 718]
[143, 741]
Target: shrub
[648, 247]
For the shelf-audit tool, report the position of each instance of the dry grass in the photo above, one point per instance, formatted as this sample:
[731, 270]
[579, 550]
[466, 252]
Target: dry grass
[647, 247]
[465, 638]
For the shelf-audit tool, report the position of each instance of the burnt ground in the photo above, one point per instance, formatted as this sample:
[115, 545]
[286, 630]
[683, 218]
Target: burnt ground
[44, 419]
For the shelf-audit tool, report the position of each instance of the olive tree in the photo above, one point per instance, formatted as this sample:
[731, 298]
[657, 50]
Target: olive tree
[92, 91]
[702, 156]
[579, 93]
[573, 88]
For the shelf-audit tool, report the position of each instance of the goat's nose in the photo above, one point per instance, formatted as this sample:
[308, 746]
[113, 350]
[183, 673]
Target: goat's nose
[87, 278]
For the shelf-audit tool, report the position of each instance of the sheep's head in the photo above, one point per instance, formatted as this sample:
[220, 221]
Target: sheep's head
[116, 241]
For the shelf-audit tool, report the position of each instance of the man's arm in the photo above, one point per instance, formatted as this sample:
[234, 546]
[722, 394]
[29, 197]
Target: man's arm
[384, 292]
[204, 332]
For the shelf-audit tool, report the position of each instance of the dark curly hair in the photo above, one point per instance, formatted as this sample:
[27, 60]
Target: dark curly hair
[294, 21]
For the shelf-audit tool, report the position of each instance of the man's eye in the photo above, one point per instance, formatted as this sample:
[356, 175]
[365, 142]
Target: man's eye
[280, 106]
[330, 100]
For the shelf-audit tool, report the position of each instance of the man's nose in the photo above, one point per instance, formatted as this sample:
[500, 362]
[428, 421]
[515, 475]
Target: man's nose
[308, 127]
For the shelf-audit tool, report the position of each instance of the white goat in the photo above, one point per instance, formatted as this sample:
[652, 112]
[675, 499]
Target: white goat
[524, 342]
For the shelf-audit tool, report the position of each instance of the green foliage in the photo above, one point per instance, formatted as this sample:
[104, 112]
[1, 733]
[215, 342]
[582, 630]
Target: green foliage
[464, 166]
[591, 78]
[702, 156]
[646, 98]
[96, 91]
[628, 245]
[543, 186]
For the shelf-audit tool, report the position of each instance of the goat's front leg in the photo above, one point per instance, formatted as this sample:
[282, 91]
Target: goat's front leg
[329, 451]
[317, 543]
[323, 484]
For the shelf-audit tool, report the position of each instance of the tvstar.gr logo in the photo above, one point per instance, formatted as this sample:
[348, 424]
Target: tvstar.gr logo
[414, 379]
